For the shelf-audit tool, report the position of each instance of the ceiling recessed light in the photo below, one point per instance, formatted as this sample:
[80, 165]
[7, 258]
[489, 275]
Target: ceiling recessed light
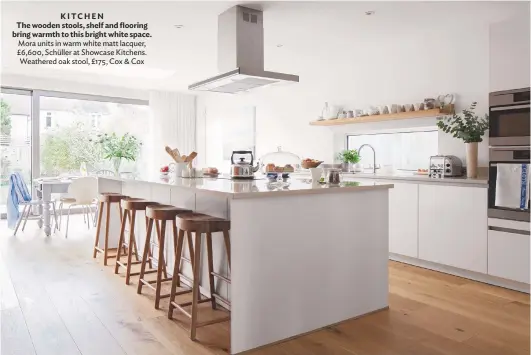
[369, 13]
[280, 45]
[178, 26]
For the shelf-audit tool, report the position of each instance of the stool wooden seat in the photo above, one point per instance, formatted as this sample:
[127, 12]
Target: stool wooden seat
[199, 223]
[111, 197]
[130, 206]
[160, 215]
[107, 199]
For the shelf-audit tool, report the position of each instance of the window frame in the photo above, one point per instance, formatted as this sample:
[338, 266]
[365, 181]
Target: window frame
[36, 95]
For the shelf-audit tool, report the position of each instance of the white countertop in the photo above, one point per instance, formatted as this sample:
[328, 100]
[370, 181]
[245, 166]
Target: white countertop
[259, 188]
[396, 175]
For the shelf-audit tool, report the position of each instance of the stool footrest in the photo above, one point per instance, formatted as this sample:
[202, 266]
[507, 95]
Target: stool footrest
[122, 264]
[186, 304]
[184, 311]
[186, 259]
[213, 321]
[221, 277]
[147, 272]
[150, 283]
[155, 281]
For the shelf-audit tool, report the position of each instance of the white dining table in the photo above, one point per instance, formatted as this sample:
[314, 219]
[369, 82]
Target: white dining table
[46, 187]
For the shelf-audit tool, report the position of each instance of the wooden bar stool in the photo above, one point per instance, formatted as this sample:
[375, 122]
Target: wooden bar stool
[156, 214]
[130, 206]
[106, 198]
[199, 223]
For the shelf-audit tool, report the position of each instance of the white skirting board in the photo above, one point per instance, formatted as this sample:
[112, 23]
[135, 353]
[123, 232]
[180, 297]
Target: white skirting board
[476, 276]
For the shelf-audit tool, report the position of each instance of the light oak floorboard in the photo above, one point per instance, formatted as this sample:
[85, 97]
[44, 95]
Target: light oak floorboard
[56, 299]
[15, 338]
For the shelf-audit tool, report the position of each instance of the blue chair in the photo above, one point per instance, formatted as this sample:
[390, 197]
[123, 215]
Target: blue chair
[19, 195]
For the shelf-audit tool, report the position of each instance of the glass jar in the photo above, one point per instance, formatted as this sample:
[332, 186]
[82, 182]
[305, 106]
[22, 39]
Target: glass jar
[280, 162]
[333, 176]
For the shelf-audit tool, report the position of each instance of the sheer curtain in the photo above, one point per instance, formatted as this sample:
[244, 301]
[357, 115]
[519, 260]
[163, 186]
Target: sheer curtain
[173, 124]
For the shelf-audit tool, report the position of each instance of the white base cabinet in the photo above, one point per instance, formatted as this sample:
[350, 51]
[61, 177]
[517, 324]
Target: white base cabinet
[453, 226]
[509, 255]
[403, 219]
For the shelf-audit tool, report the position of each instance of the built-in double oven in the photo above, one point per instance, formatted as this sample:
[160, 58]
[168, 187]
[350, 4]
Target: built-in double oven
[509, 155]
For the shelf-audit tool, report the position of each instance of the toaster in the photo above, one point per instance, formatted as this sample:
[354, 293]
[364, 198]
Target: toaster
[442, 166]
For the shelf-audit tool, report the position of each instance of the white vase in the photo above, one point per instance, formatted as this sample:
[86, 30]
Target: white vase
[472, 160]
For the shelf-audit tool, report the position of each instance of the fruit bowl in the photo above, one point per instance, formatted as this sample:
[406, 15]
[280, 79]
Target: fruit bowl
[310, 163]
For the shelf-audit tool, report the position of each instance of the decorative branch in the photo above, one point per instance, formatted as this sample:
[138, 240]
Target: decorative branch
[469, 127]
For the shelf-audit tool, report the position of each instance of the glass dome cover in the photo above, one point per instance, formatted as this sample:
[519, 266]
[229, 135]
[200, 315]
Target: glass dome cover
[275, 161]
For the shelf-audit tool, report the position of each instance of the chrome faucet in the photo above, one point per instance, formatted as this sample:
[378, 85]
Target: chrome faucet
[374, 156]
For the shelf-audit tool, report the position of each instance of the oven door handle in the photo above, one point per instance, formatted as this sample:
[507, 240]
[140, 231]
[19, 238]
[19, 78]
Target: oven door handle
[514, 107]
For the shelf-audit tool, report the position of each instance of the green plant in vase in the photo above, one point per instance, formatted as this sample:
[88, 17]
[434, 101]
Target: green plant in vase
[116, 148]
[349, 158]
[470, 128]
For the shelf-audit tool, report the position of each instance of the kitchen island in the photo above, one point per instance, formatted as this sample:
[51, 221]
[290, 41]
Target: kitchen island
[304, 256]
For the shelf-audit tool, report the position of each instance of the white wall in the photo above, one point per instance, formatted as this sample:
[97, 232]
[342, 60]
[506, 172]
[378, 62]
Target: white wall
[403, 67]
[509, 53]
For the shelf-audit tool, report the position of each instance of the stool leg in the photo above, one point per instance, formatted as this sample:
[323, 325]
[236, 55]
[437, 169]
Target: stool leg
[226, 238]
[149, 254]
[136, 249]
[161, 263]
[107, 224]
[210, 258]
[120, 242]
[130, 245]
[190, 247]
[98, 228]
[176, 282]
[147, 247]
[121, 212]
[195, 286]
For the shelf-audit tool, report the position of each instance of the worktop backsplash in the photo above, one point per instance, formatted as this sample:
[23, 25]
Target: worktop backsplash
[401, 150]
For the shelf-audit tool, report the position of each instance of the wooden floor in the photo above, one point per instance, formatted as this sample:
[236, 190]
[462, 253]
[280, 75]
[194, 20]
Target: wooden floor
[55, 299]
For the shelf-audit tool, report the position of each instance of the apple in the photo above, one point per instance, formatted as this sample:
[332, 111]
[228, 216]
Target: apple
[164, 169]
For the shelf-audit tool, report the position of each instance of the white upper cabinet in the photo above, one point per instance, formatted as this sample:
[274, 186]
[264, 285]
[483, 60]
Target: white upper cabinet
[509, 54]
[403, 219]
[453, 226]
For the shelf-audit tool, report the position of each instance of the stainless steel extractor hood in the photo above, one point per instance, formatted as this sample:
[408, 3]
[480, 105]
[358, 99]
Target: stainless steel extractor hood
[241, 54]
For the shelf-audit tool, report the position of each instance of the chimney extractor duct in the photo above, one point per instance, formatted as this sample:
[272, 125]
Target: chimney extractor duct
[241, 54]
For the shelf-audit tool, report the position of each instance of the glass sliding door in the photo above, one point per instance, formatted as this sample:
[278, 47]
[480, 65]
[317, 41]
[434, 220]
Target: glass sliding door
[70, 129]
[15, 139]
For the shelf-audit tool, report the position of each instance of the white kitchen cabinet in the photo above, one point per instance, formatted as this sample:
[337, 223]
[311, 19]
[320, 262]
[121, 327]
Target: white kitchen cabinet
[403, 219]
[453, 226]
[509, 255]
[509, 53]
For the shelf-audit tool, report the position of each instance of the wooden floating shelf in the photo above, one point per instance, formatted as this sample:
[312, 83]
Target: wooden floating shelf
[448, 110]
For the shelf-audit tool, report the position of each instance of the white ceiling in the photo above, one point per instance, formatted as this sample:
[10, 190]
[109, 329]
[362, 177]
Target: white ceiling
[311, 33]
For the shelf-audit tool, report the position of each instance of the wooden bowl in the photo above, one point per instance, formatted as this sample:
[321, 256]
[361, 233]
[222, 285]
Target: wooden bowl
[308, 164]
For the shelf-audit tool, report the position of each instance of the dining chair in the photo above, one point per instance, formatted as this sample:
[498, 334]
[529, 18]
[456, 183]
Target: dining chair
[28, 202]
[83, 192]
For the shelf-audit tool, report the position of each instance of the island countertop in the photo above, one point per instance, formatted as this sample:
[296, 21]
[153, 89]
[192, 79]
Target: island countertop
[238, 189]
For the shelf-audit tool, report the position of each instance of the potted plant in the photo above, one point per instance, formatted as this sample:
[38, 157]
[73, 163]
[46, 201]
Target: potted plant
[349, 158]
[116, 148]
[470, 128]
